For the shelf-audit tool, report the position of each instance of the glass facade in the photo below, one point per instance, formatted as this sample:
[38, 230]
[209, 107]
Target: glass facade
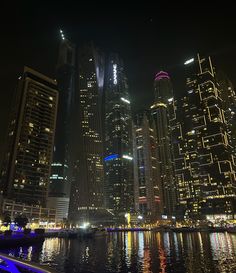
[61, 169]
[118, 156]
[163, 115]
[65, 74]
[87, 194]
[146, 180]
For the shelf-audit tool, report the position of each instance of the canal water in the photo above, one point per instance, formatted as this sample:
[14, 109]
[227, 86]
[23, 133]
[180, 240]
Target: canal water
[136, 252]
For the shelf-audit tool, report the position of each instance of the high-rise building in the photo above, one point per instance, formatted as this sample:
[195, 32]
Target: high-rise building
[163, 115]
[229, 105]
[26, 169]
[146, 180]
[60, 179]
[118, 158]
[204, 158]
[87, 194]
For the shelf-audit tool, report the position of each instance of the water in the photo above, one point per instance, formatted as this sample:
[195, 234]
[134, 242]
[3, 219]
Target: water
[136, 252]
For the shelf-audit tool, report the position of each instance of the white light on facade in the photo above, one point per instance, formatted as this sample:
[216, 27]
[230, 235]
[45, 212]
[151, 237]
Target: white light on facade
[62, 34]
[56, 164]
[115, 73]
[125, 100]
[170, 99]
[127, 157]
[189, 61]
[159, 104]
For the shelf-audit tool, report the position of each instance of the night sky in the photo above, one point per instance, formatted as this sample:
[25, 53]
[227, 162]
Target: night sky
[148, 38]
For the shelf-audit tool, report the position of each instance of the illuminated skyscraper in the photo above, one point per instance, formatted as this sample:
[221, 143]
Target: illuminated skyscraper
[118, 139]
[163, 115]
[60, 180]
[26, 169]
[87, 194]
[204, 158]
[229, 105]
[146, 179]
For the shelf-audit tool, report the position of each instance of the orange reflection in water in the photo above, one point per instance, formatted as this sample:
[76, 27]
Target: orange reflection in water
[144, 241]
[162, 254]
[146, 261]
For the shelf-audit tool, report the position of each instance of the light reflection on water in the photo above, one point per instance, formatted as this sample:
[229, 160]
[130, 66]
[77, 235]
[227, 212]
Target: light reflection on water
[146, 252]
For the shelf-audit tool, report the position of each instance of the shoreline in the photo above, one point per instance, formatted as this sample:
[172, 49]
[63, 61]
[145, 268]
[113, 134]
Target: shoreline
[20, 238]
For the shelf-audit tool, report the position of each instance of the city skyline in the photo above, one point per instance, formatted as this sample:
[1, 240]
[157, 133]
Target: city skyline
[192, 144]
[146, 41]
[118, 137]
[109, 93]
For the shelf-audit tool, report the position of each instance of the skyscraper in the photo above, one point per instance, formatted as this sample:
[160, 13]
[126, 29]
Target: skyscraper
[60, 180]
[204, 160]
[146, 179]
[87, 194]
[163, 115]
[229, 105]
[118, 139]
[26, 169]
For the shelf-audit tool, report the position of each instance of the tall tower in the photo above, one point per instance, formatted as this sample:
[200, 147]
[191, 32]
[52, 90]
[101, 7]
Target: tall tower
[146, 179]
[60, 180]
[87, 194]
[26, 169]
[118, 158]
[163, 115]
[205, 162]
[229, 105]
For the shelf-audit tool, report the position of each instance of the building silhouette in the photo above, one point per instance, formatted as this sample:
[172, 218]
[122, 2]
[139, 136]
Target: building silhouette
[61, 171]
